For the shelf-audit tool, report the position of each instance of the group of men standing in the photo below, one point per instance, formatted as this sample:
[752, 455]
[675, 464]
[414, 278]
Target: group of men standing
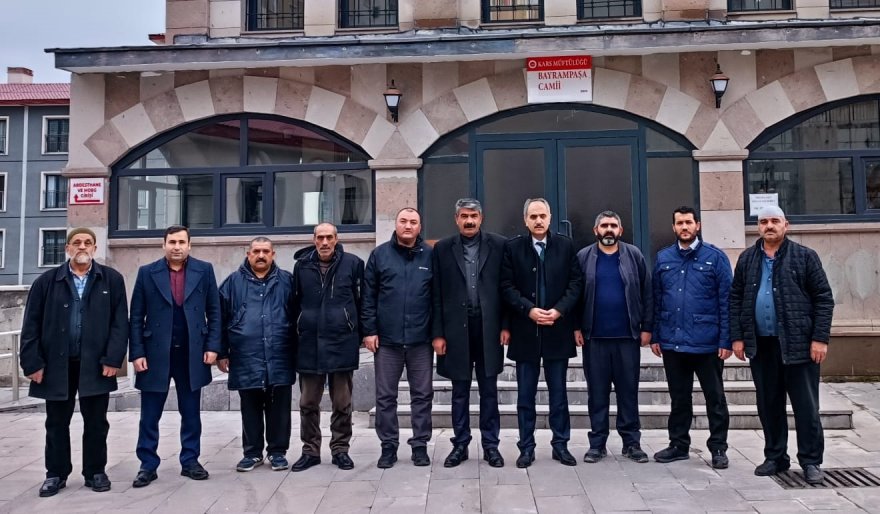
[465, 299]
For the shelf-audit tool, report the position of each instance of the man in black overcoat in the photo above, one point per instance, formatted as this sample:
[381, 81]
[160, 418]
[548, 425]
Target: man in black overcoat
[466, 326]
[541, 283]
[73, 340]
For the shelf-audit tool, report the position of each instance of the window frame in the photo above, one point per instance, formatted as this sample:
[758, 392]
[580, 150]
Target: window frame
[4, 148]
[250, 16]
[41, 263]
[832, 7]
[342, 13]
[486, 15]
[45, 135]
[2, 248]
[4, 196]
[858, 158]
[582, 5]
[44, 175]
[243, 170]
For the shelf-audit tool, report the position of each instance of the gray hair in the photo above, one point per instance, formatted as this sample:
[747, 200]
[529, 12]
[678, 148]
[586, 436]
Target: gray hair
[530, 201]
[607, 214]
[261, 239]
[468, 203]
[315, 230]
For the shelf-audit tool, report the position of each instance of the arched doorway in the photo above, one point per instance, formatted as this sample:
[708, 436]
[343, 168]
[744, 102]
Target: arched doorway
[583, 159]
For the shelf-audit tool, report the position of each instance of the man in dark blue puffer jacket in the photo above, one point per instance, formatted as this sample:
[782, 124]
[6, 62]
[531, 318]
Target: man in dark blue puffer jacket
[780, 317]
[692, 333]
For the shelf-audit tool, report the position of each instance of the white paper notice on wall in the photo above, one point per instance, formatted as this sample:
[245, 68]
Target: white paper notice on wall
[566, 78]
[86, 191]
[758, 201]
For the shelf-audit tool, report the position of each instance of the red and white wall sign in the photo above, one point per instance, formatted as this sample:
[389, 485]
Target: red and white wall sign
[86, 191]
[560, 79]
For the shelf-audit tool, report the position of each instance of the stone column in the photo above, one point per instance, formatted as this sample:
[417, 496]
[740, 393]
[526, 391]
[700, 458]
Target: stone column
[396, 188]
[319, 18]
[560, 12]
[722, 205]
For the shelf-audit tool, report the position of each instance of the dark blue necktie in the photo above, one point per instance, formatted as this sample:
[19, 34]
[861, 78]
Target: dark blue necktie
[542, 293]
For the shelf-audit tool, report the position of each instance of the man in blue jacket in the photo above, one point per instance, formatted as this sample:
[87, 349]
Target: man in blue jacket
[396, 319]
[259, 350]
[692, 333]
[175, 334]
[327, 299]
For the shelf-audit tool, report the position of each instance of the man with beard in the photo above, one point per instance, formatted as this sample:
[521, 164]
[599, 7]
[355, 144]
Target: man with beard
[396, 318]
[467, 327]
[327, 300]
[540, 285]
[259, 349]
[73, 339]
[691, 332]
[175, 335]
[780, 317]
[617, 317]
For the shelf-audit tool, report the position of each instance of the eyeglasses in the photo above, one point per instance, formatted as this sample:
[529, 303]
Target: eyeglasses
[78, 242]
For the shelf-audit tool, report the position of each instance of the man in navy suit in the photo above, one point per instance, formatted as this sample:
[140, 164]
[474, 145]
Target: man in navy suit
[175, 334]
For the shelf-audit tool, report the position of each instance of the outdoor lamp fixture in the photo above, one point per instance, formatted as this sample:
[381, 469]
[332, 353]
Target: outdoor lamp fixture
[719, 84]
[392, 100]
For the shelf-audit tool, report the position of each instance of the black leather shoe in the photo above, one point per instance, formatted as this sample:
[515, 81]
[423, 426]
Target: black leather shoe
[144, 478]
[564, 456]
[305, 462]
[195, 472]
[671, 453]
[493, 457]
[342, 461]
[458, 455]
[594, 455]
[99, 483]
[525, 459]
[51, 486]
[388, 457]
[769, 468]
[813, 475]
[635, 453]
[420, 456]
[719, 459]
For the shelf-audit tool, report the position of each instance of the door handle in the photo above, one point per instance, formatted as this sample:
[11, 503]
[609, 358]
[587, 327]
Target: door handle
[567, 225]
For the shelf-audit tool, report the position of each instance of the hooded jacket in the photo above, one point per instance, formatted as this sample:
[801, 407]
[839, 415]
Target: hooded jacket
[327, 309]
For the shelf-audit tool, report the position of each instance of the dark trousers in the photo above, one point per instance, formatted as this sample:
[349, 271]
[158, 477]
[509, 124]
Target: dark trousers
[311, 388]
[680, 369]
[527, 373]
[607, 362]
[419, 362]
[95, 427]
[152, 404]
[265, 411]
[773, 380]
[490, 420]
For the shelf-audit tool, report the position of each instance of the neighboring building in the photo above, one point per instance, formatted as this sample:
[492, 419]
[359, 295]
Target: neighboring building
[265, 117]
[34, 128]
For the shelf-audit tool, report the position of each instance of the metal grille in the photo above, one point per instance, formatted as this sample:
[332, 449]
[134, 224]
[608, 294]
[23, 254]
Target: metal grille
[367, 13]
[758, 5]
[854, 4]
[57, 131]
[503, 11]
[840, 477]
[53, 247]
[2, 136]
[275, 14]
[592, 9]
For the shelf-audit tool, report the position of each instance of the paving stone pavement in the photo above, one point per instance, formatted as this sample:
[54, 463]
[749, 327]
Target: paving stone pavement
[613, 485]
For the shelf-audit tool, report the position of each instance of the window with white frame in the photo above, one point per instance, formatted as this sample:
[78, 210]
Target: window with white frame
[2, 248]
[4, 135]
[54, 191]
[56, 132]
[2, 192]
[52, 241]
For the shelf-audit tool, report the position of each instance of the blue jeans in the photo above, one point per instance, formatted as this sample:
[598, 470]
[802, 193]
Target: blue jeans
[527, 385]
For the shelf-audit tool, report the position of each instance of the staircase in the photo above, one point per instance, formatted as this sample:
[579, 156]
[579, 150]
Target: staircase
[654, 403]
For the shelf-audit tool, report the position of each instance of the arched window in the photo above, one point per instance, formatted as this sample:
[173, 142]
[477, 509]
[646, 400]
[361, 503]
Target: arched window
[823, 165]
[242, 174]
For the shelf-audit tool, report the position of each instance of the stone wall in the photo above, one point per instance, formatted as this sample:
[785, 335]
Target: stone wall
[12, 302]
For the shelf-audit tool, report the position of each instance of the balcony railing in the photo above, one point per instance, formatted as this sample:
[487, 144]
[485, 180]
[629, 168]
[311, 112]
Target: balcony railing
[367, 13]
[55, 199]
[593, 9]
[854, 4]
[275, 14]
[506, 11]
[736, 6]
[56, 143]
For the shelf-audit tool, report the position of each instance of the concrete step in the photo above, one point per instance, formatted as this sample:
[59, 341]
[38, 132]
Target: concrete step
[650, 393]
[742, 417]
